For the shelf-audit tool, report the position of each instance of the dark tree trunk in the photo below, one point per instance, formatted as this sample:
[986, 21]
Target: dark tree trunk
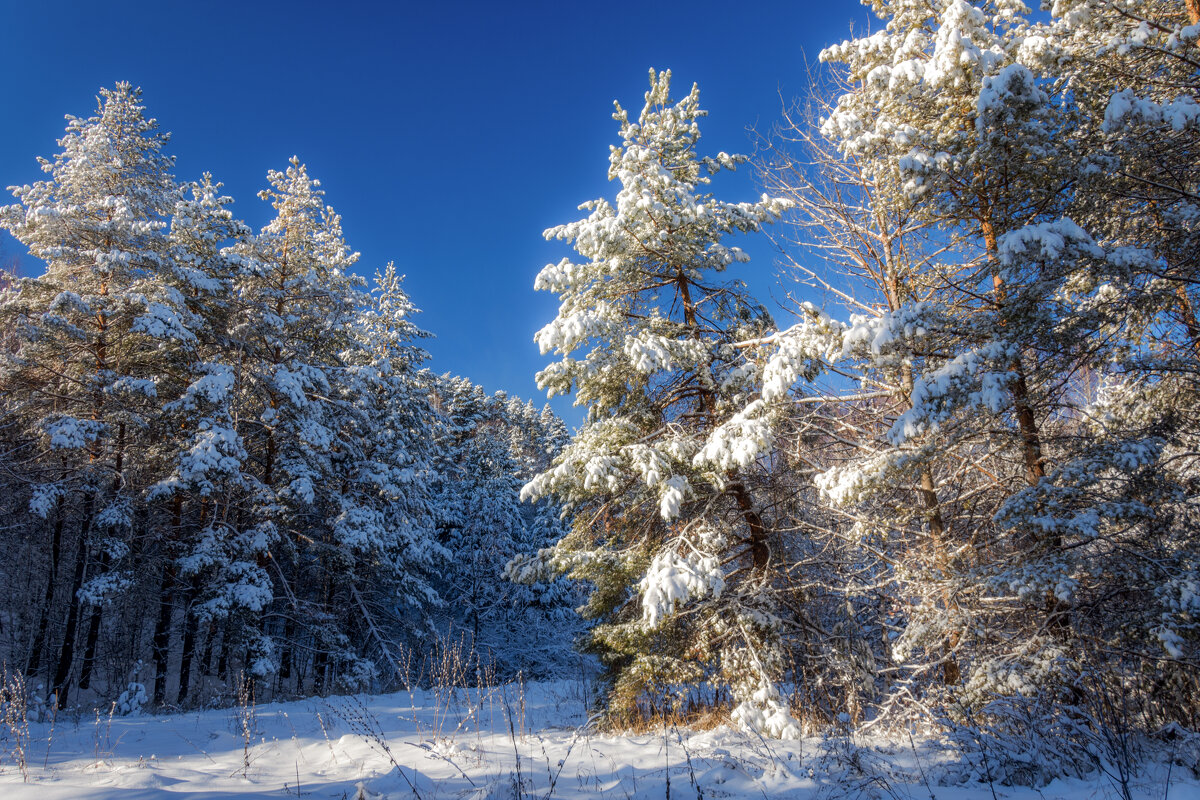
[66, 655]
[206, 660]
[93, 636]
[162, 633]
[286, 657]
[223, 657]
[190, 625]
[97, 611]
[39, 640]
[319, 660]
[89, 647]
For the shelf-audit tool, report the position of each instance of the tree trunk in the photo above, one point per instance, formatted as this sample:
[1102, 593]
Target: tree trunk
[66, 655]
[93, 635]
[286, 657]
[927, 491]
[223, 657]
[927, 488]
[190, 626]
[760, 550]
[1057, 611]
[162, 632]
[89, 648]
[39, 640]
[1031, 445]
[1188, 313]
[207, 667]
[320, 657]
[97, 611]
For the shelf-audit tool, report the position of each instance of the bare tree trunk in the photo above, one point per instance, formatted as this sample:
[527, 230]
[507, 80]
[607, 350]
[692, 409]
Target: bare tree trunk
[162, 632]
[321, 655]
[93, 636]
[190, 626]
[207, 667]
[66, 655]
[760, 549]
[285, 657]
[39, 640]
[1031, 444]
[223, 656]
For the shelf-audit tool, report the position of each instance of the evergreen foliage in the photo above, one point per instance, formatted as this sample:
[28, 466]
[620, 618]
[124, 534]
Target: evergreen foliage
[962, 490]
[646, 330]
[222, 451]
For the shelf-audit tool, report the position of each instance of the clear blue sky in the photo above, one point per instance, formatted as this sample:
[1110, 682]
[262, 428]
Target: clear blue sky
[448, 135]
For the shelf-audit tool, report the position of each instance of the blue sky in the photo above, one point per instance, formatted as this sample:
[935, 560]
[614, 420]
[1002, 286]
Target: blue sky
[448, 135]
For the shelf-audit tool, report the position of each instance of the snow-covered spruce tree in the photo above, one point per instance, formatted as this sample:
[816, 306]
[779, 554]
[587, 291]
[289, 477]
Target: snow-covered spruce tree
[480, 519]
[646, 330]
[489, 446]
[91, 332]
[383, 528]
[544, 616]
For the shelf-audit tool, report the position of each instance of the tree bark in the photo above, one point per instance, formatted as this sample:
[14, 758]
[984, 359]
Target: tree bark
[66, 654]
[760, 549]
[39, 640]
[162, 632]
[190, 626]
[223, 656]
[1031, 444]
[286, 657]
[93, 636]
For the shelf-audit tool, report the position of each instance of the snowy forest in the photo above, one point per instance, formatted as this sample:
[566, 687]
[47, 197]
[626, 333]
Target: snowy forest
[952, 487]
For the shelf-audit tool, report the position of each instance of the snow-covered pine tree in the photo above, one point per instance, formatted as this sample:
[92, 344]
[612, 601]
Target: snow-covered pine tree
[897, 528]
[490, 445]
[970, 117]
[383, 531]
[299, 309]
[220, 447]
[1134, 73]
[543, 617]
[646, 330]
[90, 335]
[197, 429]
[946, 118]
[480, 518]
[336, 529]
[1134, 76]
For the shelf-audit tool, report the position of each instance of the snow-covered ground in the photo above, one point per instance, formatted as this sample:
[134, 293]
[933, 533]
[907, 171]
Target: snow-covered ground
[510, 743]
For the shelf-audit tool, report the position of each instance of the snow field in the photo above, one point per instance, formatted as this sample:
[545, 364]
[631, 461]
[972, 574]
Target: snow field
[506, 743]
